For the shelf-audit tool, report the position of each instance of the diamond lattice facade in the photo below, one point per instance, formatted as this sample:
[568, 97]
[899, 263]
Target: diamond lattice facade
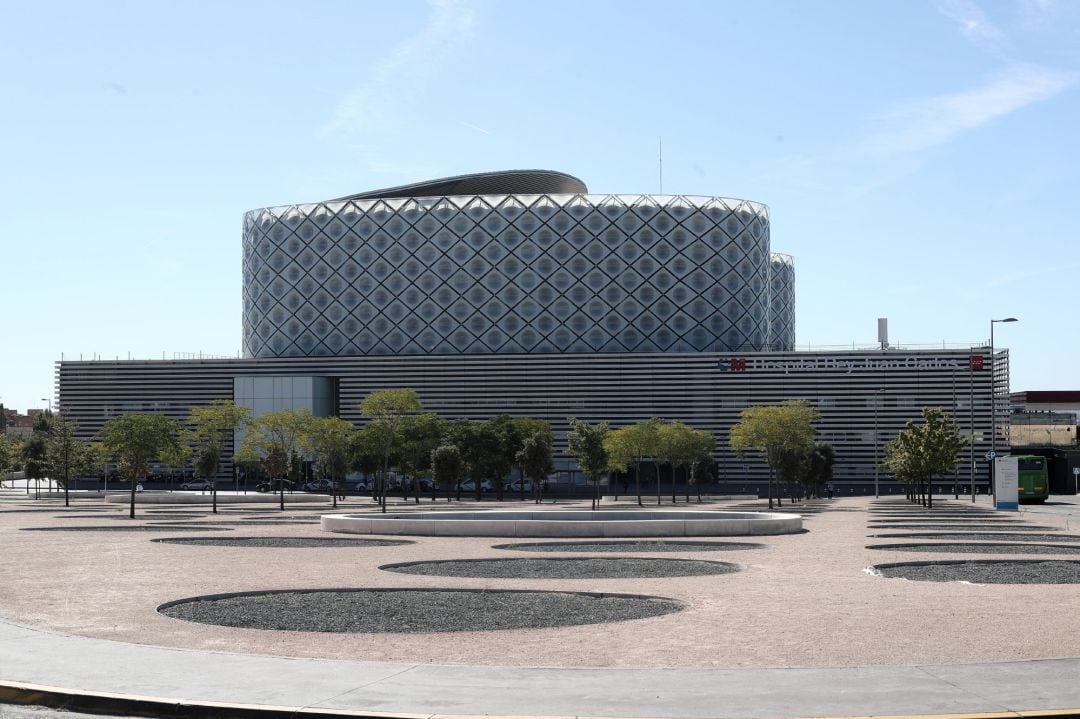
[509, 273]
[782, 302]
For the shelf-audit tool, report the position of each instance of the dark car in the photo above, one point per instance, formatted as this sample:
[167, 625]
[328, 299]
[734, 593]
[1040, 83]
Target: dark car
[275, 485]
[319, 485]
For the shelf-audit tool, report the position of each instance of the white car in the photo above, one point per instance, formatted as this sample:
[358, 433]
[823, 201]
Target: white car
[514, 487]
[202, 484]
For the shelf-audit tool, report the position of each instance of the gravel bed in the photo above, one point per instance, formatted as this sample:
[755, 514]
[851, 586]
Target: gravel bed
[1003, 571]
[133, 528]
[945, 526]
[565, 568]
[993, 536]
[982, 548]
[273, 522]
[639, 545]
[413, 611]
[281, 542]
[124, 517]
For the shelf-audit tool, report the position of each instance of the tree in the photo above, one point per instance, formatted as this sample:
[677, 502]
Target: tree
[629, 446]
[483, 449]
[10, 455]
[274, 441]
[386, 409]
[366, 452]
[209, 428]
[536, 462]
[69, 457]
[679, 445]
[585, 442]
[773, 430]
[447, 467]
[524, 428]
[921, 451]
[819, 468]
[329, 440]
[136, 439]
[420, 434]
[35, 452]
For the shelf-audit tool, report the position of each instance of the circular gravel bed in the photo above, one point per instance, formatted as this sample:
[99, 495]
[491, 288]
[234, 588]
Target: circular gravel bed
[123, 517]
[565, 568]
[281, 542]
[641, 545]
[992, 536]
[983, 548]
[266, 522]
[987, 571]
[414, 611]
[133, 528]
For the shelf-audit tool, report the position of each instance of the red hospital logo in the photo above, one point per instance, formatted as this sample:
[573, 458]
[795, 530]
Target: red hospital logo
[976, 361]
[738, 364]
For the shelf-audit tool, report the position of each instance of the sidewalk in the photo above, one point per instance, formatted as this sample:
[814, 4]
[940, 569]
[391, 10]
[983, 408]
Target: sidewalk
[186, 676]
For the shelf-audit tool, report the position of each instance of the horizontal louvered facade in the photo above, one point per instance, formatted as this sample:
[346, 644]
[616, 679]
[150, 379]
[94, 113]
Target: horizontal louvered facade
[862, 395]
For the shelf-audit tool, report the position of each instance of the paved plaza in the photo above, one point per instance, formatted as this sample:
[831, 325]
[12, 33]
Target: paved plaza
[804, 628]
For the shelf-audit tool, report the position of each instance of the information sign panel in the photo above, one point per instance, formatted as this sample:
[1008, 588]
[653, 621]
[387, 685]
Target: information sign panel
[1006, 479]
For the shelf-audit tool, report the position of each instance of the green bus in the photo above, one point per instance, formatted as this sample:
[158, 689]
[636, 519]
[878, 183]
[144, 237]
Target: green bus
[1033, 484]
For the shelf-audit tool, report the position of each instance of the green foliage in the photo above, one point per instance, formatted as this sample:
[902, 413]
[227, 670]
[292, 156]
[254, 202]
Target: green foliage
[69, 457]
[586, 443]
[447, 467]
[628, 447]
[783, 434]
[366, 451]
[273, 439]
[483, 447]
[329, 440]
[35, 450]
[136, 439]
[10, 455]
[209, 428]
[386, 408]
[921, 451]
[819, 467]
[536, 460]
[419, 436]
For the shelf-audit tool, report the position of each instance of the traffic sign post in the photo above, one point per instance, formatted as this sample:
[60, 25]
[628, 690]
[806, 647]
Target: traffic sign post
[1076, 473]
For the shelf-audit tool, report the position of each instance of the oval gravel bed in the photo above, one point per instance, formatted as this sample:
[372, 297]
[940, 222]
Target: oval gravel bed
[281, 542]
[630, 546]
[414, 611]
[992, 536]
[133, 528]
[147, 516]
[565, 568]
[987, 571]
[946, 526]
[987, 548]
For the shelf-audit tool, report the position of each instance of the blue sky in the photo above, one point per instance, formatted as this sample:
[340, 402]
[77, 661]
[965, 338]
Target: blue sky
[921, 160]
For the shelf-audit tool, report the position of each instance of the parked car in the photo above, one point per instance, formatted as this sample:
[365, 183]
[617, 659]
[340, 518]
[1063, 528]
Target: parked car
[202, 484]
[319, 485]
[469, 486]
[365, 484]
[275, 485]
[514, 487]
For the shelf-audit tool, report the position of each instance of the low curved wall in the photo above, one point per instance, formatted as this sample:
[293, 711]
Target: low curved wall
[645, 523]
[205, 498]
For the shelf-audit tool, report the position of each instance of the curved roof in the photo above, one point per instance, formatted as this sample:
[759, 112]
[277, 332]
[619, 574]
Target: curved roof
[506, 182]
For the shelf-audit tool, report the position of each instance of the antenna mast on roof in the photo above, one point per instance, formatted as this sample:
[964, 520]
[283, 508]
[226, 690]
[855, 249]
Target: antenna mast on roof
[661, 164]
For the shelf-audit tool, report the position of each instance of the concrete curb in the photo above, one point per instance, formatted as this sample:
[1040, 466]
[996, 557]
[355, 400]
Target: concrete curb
[89, 702]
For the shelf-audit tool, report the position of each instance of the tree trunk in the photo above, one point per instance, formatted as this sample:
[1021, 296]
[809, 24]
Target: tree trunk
[213, 498]
[656, 473]
[637, 481]
[131, 513]
[770, 487]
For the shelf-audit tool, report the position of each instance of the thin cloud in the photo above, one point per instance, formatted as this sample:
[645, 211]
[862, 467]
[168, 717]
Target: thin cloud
[396, 80]
[975, 26]
[924, 123]
[474, 127]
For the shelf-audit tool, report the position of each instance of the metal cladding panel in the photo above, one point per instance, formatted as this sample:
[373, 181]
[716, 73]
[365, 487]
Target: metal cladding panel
[861, 395]
[781, 303]
[506, 274]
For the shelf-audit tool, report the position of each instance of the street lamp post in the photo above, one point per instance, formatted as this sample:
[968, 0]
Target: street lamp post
[993, 406]
[878, 397]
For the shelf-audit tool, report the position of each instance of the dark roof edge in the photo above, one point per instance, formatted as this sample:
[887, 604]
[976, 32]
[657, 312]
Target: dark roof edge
[506, 182]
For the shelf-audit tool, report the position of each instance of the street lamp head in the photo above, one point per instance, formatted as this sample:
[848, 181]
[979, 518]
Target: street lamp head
[1007, 319]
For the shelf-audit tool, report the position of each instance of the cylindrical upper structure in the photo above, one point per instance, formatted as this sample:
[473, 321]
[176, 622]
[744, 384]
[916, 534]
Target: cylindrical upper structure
[781, 303]
[496, 273]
